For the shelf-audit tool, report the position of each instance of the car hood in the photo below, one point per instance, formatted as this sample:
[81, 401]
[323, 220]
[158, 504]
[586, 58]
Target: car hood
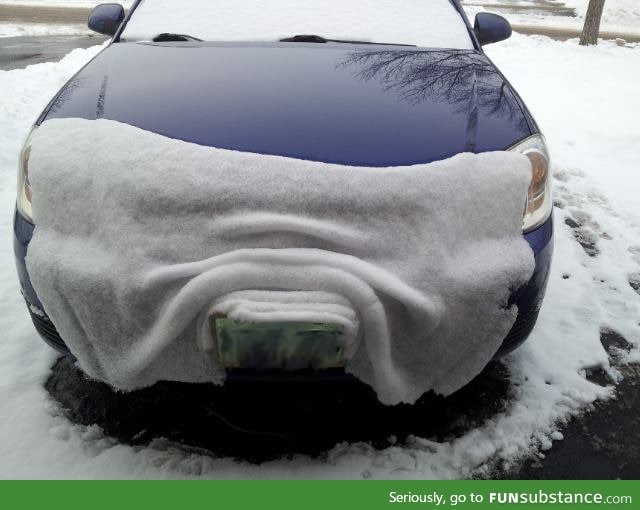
[359, 105]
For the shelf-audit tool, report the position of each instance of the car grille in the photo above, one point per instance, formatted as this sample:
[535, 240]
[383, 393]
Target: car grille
[519, 332]
[48, 332]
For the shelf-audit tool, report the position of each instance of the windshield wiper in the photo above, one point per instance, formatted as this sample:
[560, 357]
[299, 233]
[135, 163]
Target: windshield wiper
[168, 37]
[312, 38]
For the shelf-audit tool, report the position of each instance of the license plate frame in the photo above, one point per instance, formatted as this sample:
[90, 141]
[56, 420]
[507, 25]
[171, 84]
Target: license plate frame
[282, 345]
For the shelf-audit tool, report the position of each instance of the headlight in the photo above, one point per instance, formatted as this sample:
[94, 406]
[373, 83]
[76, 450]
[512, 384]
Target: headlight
[539, 201]
[24, 186]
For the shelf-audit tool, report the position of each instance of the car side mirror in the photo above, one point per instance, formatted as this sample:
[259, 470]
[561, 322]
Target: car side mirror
[490, 28]
[106, 18]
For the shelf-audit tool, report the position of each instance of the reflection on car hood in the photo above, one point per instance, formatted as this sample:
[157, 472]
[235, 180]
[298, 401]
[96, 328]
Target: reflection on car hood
[355, 105]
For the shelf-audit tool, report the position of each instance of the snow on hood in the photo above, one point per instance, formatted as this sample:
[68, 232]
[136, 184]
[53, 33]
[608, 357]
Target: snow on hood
[139, 235]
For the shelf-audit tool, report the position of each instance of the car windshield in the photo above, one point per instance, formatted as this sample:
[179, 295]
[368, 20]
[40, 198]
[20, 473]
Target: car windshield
[425, 23]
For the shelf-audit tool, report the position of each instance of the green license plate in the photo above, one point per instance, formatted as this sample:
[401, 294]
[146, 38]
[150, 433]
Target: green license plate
[277, 345]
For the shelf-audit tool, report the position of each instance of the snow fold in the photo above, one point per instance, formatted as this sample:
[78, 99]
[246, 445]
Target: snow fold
[140, 237]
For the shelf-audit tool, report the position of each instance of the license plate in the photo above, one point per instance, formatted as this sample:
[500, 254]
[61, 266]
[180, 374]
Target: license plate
[277, 345]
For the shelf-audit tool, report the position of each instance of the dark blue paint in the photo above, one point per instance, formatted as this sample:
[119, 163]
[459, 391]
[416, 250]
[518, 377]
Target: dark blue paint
[106, 18]
[539, 238]
[530, 296]
[22, 234]
[326, 102]
[491, 28]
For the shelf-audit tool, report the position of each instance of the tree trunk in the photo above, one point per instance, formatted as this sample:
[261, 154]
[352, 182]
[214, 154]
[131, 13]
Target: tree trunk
[592, 23]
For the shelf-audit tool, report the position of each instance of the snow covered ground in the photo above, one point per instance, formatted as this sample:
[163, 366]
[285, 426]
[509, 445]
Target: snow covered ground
[618, 15]
[616, 12]
[12, 27]
[585, 101]
[40, 29]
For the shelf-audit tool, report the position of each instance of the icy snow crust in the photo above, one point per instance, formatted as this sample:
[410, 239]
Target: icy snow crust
[138, 235]
[428, 23]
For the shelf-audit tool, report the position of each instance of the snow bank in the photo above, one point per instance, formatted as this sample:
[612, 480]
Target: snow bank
[430, 24]
[616, 12]
[427, 255]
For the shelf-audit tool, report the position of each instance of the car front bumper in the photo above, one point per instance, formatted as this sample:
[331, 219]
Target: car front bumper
[528, 298]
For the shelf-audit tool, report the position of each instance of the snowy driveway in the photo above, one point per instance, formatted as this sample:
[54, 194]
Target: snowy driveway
[586, 103]
[22, 51]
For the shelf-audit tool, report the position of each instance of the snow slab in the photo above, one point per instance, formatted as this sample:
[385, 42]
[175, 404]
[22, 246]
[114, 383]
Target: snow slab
[433, 23]
[548, 386]
[427, 255]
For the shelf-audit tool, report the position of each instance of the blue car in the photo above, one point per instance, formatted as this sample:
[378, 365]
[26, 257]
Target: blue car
[438, 97]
